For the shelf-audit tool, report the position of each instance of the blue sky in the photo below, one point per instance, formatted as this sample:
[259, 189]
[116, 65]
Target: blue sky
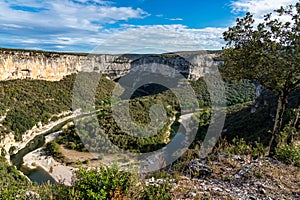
[123, 26]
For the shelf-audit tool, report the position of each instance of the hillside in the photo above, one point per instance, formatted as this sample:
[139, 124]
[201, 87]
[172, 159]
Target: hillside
[236, 169]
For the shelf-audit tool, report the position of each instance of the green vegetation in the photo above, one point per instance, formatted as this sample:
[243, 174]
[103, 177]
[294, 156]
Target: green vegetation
[95, 139]
[240, 147]
[251, 55]
[236, 92]
[157, 191]
[101, 183]
[288, 154]
[12, 183]
[26, 102]
[268, 54]
[139, 109]
[94, 184]
[52, 149]
[70, 139]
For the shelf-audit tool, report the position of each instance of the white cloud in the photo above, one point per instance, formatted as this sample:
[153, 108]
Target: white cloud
[80, 25]
[15, 26]
[175, 19]
[259, 7]
[161, 38]
[65, 14]
[60, 47]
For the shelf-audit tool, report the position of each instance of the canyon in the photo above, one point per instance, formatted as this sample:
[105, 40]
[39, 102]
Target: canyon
[53, 66]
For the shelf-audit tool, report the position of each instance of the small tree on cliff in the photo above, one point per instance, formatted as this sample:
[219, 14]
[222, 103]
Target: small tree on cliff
[269, 54]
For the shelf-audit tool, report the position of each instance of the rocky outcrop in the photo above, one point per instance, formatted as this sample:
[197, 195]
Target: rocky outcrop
[226, 176]
[18, 64]
[52, 66]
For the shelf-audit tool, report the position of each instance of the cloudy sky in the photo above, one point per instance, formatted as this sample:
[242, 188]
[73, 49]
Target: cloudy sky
[123, 26]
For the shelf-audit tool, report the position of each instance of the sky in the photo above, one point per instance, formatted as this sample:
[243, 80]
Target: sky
[123, 26]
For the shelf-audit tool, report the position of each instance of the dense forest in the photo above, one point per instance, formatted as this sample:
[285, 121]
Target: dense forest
[27, 102]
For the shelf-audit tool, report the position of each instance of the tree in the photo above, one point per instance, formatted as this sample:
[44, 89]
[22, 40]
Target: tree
[268, 54]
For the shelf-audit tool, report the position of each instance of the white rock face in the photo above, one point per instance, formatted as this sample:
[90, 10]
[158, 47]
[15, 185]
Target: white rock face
[20, 64]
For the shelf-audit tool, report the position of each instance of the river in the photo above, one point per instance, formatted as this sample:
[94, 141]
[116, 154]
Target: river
[37, 175]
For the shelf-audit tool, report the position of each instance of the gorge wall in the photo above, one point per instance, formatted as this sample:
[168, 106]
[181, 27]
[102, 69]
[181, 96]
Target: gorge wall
[53, 66]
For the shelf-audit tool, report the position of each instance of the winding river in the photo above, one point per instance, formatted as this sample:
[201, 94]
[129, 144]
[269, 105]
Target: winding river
[37, 175]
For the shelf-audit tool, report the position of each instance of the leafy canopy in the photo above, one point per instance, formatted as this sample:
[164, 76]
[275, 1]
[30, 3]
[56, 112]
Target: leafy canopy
[268, 53]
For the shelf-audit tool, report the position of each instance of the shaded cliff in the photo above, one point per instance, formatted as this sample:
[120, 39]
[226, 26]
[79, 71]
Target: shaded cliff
[31, 64]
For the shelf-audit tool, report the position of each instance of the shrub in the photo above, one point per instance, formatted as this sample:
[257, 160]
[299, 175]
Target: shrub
[52, 149]
[12, 149]
[101, 182]
[288, 154]
[160, 191]
[240, 147]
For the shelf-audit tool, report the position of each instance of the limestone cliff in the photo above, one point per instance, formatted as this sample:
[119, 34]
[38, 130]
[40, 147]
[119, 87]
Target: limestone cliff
[26, 64]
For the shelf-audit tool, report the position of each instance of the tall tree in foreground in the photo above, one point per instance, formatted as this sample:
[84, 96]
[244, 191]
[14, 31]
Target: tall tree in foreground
[269, 54]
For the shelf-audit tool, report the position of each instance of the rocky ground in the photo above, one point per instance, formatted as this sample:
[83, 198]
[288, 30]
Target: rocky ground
[237, 177]
[226, 176]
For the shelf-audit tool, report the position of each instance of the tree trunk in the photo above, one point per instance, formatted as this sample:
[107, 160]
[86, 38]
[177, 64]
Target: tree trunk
[292, 128]
[274, 142]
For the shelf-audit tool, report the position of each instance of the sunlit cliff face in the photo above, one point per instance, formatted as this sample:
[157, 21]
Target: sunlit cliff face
[19, 64]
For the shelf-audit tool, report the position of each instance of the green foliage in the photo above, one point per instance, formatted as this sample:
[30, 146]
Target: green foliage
[97, 183]
[288, 154]
[157, 191]
[101, 183]
[12, 183]
[12, 149]
[52, 149]
[269, 54]
[262, 53]
[29, 101]
[96, 139]
[240, 147]
[241, 122]
[200, 121]
[236, 92]
[70, 139]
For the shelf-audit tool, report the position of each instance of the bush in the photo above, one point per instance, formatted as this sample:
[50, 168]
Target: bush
[240, 147]
[160, 191]
[101, 183]
[288, 154]
[12, 149]
[52, 149]
[12, 183]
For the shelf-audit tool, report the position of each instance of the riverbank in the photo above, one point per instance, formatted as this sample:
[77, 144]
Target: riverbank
[32, 157]
[58, 171]
[62, 171]
[8, 142]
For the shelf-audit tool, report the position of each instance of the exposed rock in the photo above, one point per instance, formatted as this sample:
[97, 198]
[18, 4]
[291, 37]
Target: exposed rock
[262, 178]
[196, 168]
[23, 64]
